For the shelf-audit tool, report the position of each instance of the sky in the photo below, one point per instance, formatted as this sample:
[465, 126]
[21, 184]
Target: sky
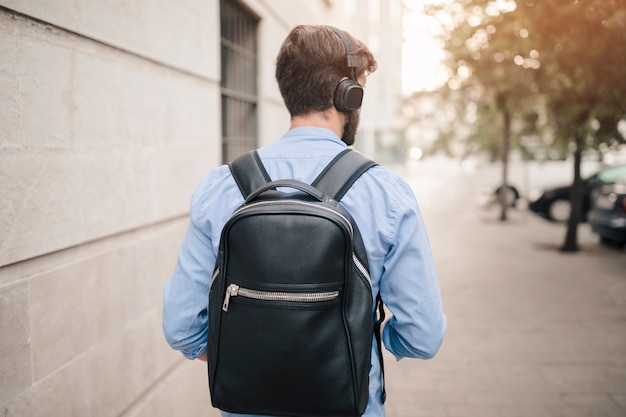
[422, 52]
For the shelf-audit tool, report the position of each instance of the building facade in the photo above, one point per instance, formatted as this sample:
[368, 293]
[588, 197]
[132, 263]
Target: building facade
[378, 23]
[110, 112]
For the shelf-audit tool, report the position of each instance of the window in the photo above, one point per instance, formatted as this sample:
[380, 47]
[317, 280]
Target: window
[239, 79]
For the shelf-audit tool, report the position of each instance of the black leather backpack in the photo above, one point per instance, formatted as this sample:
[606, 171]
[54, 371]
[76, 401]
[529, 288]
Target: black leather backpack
[291, 314]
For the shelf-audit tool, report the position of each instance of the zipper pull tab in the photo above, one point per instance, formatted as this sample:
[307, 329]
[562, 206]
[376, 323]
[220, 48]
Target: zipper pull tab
[231, 291]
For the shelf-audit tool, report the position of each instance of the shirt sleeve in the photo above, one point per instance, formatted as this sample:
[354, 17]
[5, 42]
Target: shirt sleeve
[409, 284]
[186, 293]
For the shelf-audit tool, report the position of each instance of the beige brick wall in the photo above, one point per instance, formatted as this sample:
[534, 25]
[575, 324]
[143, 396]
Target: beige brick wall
[106, 125]
[81, 331]
[109, 115]
[99, 141]
[179, 34]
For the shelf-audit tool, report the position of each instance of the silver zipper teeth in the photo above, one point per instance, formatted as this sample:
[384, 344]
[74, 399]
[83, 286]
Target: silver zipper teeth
[215, 274]
[356, 261]
[284, 296]
[362, 268]
[234, 290]
[296, 202]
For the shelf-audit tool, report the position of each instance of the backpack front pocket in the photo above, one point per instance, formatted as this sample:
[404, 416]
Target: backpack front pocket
[307, 298]
[269, 340]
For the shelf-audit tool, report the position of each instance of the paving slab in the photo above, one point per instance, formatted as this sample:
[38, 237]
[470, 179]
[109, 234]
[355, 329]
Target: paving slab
[532, 331]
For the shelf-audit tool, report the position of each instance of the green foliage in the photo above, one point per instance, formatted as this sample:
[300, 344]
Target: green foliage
[563, 58]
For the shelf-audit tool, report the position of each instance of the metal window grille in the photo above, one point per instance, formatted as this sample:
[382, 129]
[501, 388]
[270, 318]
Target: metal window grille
[239, 79]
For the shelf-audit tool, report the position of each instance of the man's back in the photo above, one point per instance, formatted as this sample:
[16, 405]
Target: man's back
[387, 215]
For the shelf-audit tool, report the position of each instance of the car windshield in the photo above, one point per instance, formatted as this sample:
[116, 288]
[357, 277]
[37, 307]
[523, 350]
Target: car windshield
[613, 174]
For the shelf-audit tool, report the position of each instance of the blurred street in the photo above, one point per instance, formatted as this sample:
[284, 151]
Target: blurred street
[532, 332]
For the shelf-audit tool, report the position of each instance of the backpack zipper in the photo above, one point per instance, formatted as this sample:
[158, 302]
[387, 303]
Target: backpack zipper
[362, 269]
[235, 290]
[356, 261]
[215, 274]
[260, 203]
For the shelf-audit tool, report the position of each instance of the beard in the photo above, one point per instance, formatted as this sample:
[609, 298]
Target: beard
[349, 129]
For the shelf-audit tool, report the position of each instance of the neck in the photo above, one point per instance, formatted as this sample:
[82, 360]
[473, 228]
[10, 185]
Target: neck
[330, 119]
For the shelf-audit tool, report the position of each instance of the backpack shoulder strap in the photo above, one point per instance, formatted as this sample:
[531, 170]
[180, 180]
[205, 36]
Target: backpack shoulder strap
[335, 180]
[342, 172]
[249, 172]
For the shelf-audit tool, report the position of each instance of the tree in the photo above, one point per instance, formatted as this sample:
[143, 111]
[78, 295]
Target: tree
[456, 121]
[582, 47]
[489, 52]
[566, 54]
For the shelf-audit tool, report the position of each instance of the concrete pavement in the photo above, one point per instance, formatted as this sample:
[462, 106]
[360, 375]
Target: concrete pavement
[533, 332]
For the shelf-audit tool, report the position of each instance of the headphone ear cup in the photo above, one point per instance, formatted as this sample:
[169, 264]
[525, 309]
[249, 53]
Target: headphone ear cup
[348, 96]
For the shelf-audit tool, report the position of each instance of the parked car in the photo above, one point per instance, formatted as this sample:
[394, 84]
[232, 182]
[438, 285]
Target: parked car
[608, 206]
[554, 203]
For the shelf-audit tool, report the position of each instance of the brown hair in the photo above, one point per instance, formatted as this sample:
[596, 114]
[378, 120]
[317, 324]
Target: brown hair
[311, 62]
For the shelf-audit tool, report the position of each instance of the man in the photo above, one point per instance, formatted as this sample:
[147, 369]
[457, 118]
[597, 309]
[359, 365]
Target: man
[310, 66]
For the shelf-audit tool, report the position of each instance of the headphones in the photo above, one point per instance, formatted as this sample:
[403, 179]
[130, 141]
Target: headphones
[348, 93]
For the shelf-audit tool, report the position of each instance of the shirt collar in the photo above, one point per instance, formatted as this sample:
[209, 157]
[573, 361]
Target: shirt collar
[312, 133]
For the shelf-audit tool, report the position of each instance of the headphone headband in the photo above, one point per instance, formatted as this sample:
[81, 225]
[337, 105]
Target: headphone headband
[351, 59]
[348, 93]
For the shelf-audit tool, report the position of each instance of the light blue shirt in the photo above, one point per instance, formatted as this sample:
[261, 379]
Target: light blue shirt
[396, 242]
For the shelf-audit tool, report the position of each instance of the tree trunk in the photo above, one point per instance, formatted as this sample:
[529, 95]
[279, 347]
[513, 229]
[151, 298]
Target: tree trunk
[571, 237]
[506, 139]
